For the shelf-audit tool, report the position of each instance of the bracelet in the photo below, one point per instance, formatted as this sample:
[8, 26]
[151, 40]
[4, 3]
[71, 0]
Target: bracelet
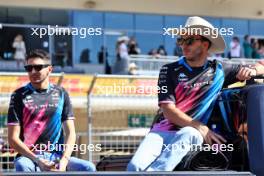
[254, 68]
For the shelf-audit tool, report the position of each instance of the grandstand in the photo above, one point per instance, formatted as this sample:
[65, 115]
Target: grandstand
[112, 109]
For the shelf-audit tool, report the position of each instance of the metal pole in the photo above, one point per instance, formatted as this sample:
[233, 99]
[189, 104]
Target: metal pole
[89, 112]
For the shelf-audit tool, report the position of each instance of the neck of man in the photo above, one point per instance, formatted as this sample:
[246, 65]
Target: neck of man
[42, 85]
[198, 61]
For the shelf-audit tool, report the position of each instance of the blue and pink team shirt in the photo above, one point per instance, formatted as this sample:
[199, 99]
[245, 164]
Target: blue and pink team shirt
[40, 114]
[193, 90]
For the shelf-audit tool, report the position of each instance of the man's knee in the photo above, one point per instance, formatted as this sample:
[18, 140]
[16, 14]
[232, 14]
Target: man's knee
[194, 135]
[87, 166]
[76, 164]
[133, 167]
[23, 164]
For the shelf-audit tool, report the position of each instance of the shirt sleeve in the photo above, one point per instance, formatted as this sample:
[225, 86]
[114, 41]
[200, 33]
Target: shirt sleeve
[14, 111]
[230, 71]
[165, 84]
[67, 112]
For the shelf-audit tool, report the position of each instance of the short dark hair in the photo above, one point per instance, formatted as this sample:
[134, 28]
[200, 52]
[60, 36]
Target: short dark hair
[38, 53]
[207, 40]
[236, 38]
[246, 37]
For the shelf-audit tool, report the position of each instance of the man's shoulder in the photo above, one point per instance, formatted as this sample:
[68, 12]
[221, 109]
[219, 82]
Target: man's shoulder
[171, 66]
[21, 90]
[57, 88]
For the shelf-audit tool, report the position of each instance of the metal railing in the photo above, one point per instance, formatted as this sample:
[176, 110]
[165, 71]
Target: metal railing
[150, 65]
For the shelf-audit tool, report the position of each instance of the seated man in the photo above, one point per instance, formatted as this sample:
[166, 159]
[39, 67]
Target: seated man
[36, 115]
[192, 85]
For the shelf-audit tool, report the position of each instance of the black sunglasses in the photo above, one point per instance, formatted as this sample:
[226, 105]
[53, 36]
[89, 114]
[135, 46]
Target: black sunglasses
[187, 41]
[38, 67]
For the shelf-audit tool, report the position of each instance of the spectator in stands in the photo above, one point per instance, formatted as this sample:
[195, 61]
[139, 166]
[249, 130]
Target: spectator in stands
[255, 47]
[85, 56]
[133, 69]
[153, 52]
[102, 55]
[103, 59]
[133, 48]
[62, 54]
[161, 51]
[40, 113]
[247, 47]
[261, 48]
[235, 49]
[20, 50]
[192, 85]
[177, 50]
[121, 64]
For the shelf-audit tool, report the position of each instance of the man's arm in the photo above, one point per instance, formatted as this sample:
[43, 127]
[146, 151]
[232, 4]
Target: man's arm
[245, 73]
[16, 143]
[167, 103]
[259, 67]
[70, 138]
[176, 116]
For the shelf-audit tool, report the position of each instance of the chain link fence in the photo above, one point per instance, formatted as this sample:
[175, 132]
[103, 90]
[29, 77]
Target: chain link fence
[120, 112]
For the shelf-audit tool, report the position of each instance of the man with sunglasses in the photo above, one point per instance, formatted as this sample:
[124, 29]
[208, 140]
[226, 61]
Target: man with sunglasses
[193, 84]
[39, 116]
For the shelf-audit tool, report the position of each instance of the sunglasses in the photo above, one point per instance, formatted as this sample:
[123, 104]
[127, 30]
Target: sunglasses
[187, 41]
[38, 67]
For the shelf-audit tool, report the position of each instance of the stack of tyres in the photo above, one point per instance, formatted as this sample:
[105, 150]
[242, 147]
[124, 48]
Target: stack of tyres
[255, 117]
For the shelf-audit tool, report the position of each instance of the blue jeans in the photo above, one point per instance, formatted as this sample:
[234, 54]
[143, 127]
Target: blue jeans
[24, 164]
[163, 151]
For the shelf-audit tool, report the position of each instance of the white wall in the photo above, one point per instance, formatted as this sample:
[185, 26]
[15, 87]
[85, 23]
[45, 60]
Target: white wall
[217, 8]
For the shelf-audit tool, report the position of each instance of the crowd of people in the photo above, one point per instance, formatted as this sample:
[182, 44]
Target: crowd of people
[251, 48]
[125, 46]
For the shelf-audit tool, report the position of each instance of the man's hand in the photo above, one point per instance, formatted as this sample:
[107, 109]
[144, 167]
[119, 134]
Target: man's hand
[209, 136]
[63, 164]
[45, 165]
[245, 73]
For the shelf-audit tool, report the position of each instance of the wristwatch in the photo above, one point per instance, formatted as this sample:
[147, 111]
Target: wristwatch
[255, 71]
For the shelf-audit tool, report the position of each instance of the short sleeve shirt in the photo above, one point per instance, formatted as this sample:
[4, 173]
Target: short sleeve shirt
[40, 114]
[173, 74]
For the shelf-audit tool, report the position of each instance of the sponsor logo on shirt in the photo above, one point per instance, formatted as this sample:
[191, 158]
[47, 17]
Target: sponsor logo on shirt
[198, 84]
[182, 77]
[55, 96]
